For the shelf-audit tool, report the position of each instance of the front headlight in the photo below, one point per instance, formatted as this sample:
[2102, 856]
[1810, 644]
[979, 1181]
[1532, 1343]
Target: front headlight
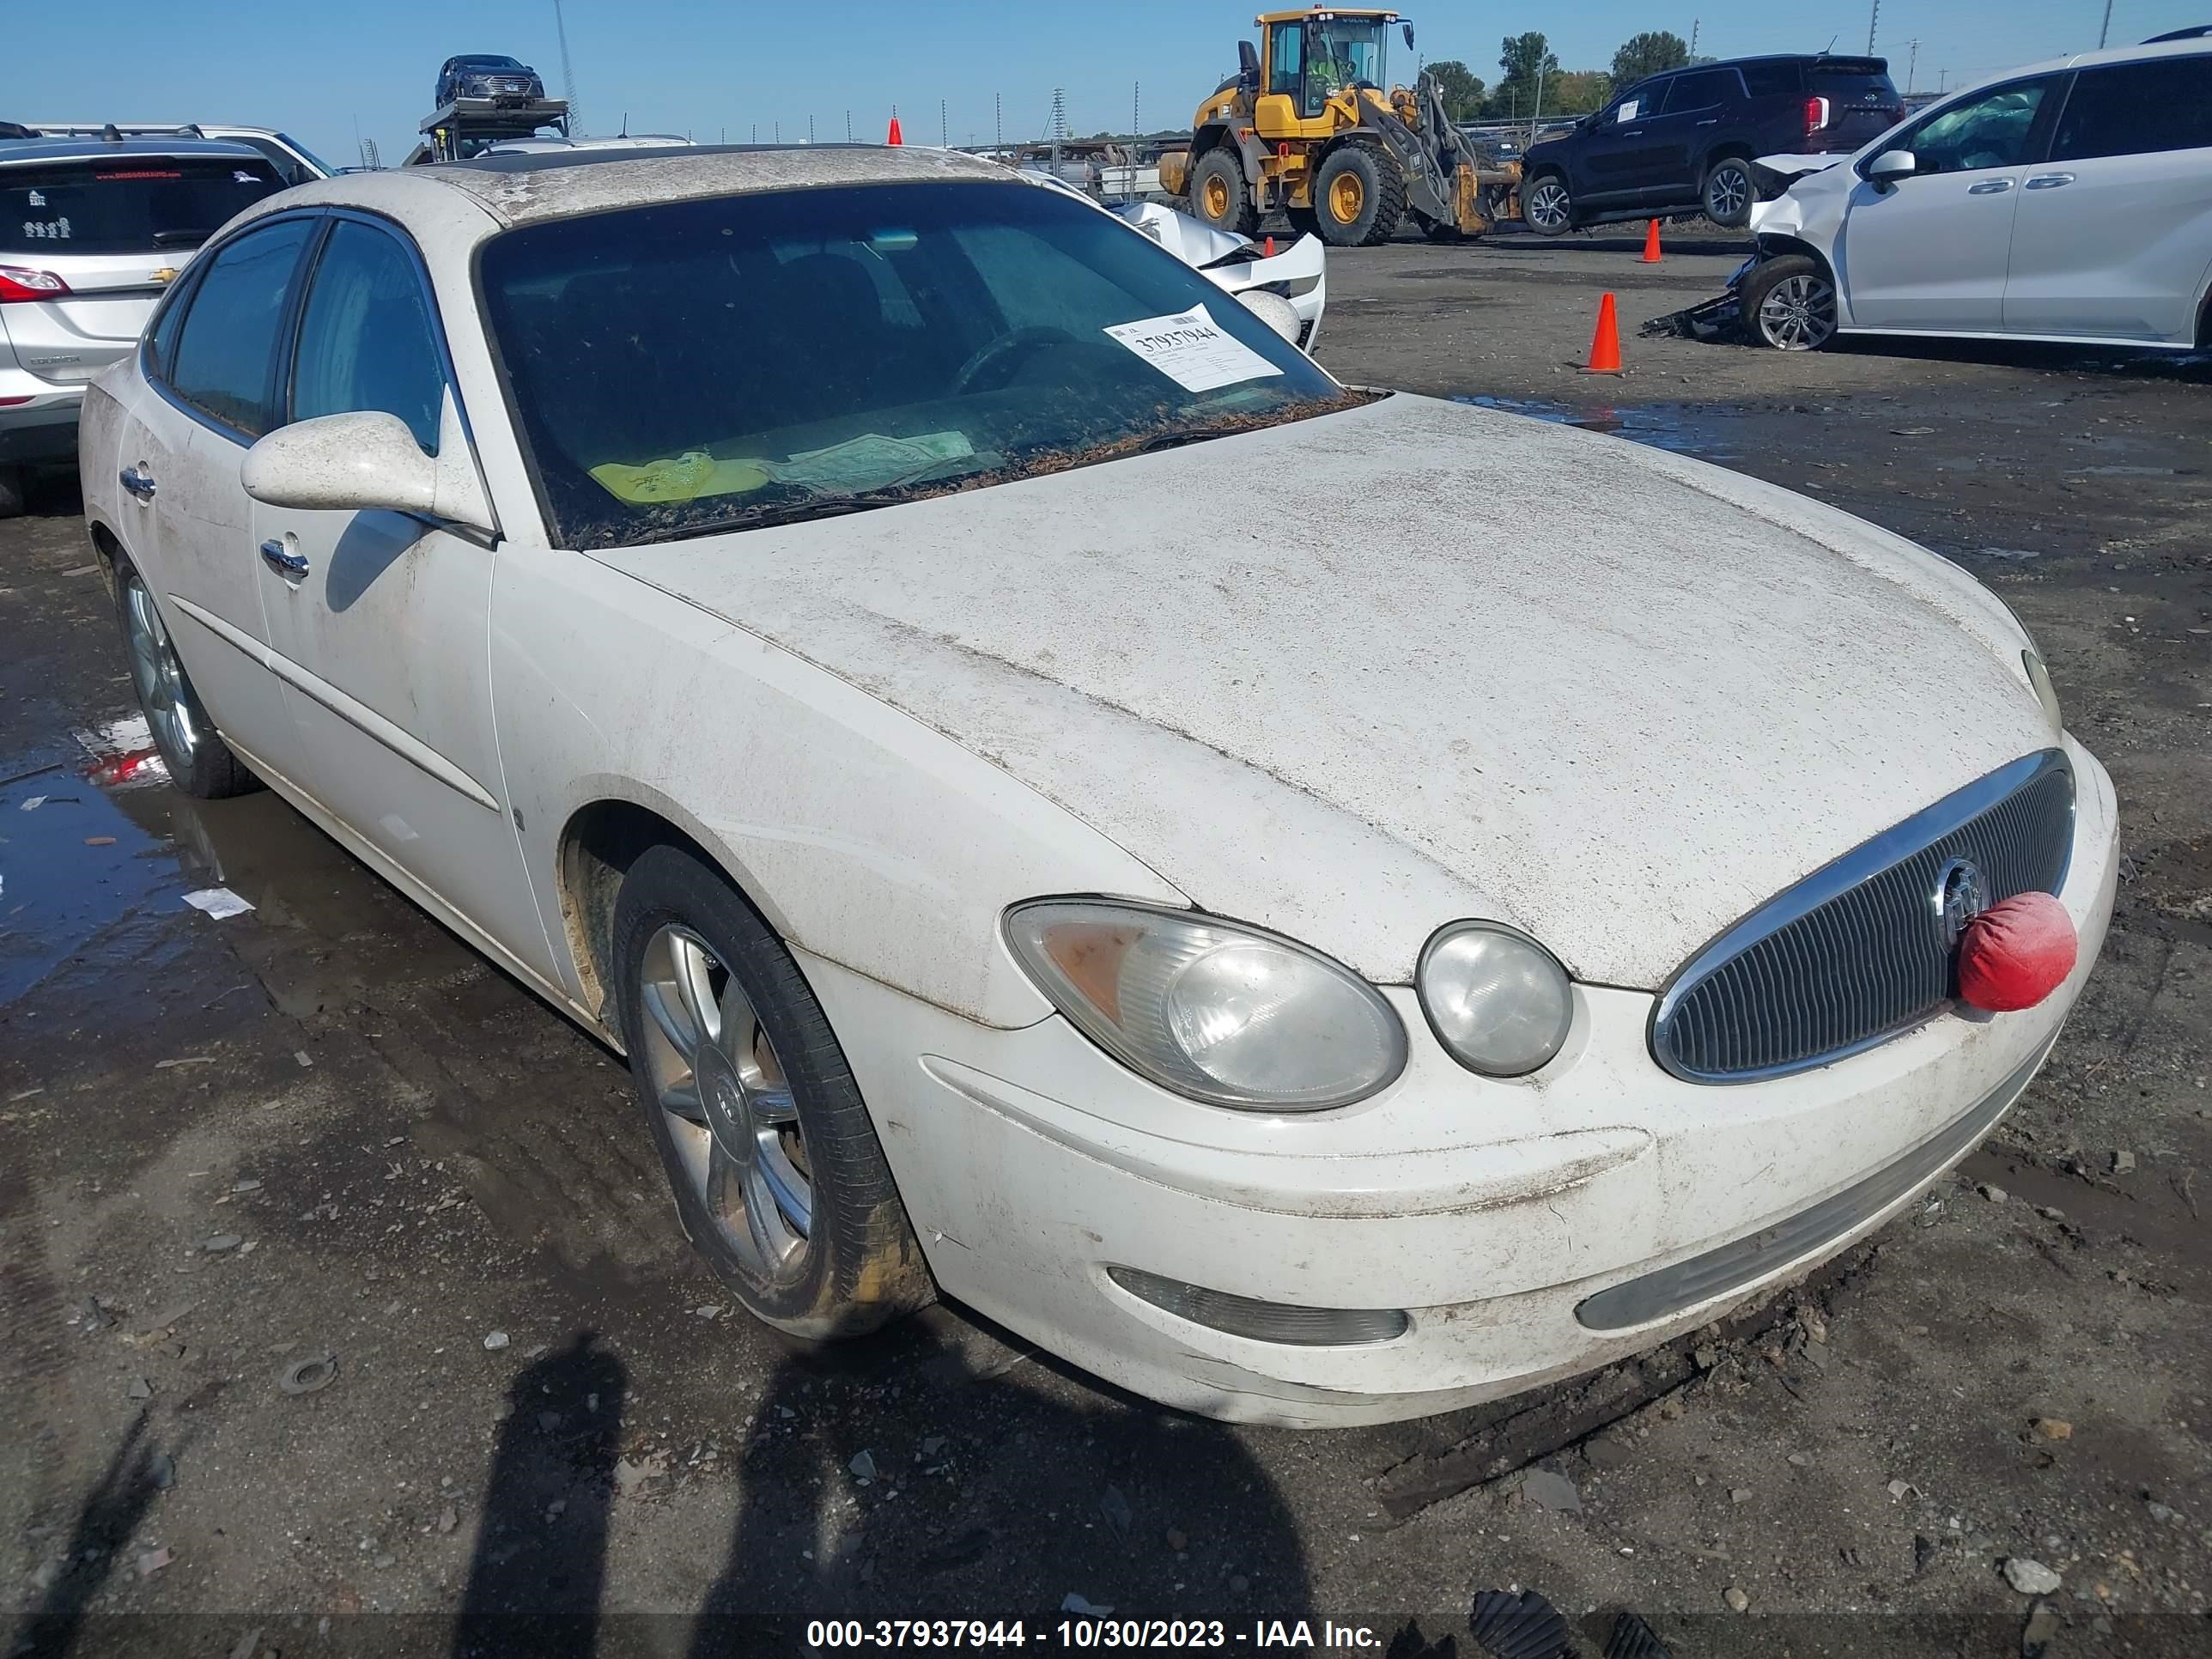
[1499, 1001]
[1220, 1013]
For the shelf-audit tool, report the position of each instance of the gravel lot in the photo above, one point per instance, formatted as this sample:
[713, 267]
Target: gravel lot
[229, 1148]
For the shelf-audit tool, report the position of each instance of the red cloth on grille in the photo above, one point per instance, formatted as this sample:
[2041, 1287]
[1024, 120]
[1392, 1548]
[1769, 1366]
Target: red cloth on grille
[2016, 952]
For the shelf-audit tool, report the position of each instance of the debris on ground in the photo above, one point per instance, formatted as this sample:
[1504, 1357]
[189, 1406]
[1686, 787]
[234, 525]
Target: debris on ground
[634, 1476]
[2052, 1428]
[219, 902]
[1083, 1609]
[309, 1376]
[1116, 1508]
[1517, 1625]
[449, 1517]
[1709, 320]
[1738, 1602]
[863, 1466]
[161, 1470]
[495, 1340]
[1549, 1490]
[216, 1243]
[140, 1389]
[152, 1561]
[2031, 1577]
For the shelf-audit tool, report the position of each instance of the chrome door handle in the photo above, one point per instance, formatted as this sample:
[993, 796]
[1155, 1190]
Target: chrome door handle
[1990, 187]
[284, 563]
[1715, 122]
[140, 484]
[2049, 181]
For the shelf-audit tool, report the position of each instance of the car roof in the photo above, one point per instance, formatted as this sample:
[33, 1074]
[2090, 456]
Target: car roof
[520, 189]
[24, 151]
[2149, 51]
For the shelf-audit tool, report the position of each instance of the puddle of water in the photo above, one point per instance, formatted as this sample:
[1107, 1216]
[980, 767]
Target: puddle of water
[79, 881]
[1663, 426]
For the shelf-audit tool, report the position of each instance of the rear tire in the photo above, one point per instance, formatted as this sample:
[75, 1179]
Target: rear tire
[1361, 195]
[779, 1178]
[1547, 207]
[1219, 195]
[1729, 193]
[11, 492]
[200, 762]
[1788, 304]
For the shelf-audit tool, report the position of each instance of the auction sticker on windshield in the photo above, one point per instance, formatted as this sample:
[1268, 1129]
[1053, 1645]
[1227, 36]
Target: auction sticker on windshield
[1191, 349]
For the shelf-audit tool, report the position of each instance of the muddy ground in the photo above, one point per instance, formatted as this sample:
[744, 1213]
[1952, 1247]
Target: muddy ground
[229, 1149]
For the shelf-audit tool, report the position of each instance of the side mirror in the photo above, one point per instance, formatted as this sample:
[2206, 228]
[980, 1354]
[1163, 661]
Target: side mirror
[369, 462]
[1891, 165]
[1406, 29]
[1247, 63]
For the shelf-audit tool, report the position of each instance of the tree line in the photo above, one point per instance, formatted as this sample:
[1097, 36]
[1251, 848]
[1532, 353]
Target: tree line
[1528, 71]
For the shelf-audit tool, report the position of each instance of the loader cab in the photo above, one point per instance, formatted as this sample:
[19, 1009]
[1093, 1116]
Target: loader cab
[1309, 56]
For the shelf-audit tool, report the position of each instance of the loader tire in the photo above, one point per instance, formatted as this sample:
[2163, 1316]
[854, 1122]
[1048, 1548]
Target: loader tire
[1305, 222]
[1361, 193]
[1219, 195]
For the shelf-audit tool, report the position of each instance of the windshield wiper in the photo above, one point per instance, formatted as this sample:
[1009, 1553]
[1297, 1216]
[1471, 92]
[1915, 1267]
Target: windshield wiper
[766, 515]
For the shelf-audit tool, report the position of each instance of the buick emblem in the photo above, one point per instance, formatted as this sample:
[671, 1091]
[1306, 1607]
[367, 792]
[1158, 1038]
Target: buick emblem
[1961, 894]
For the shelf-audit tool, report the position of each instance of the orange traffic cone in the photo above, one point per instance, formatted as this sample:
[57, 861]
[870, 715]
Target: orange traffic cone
[1605, 345]
[897, 138]
[1651, 244]
[1271, 247]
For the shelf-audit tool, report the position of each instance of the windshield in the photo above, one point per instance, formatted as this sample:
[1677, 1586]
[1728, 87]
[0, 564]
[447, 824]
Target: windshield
[692, 367]
[128, 204]
[1343, 49]
[320, 165]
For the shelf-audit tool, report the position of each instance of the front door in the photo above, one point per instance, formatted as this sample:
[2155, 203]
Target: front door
[1929, 250]
[380, 620]
[211, 363]
[1614, 153]
[2114, 233]
[1665, 166]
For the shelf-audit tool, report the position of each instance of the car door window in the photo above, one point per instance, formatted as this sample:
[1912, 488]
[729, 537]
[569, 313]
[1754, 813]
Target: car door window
[1992, 130]
[1642, 102]
[2137, 109]
[226, 352]
[1707, 89]
[367, 340]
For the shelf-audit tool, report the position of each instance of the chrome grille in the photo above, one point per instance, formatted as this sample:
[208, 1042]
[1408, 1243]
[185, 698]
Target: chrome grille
[1857, 952]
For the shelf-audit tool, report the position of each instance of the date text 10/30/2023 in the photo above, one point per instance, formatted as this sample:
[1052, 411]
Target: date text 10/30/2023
[1083, 1634]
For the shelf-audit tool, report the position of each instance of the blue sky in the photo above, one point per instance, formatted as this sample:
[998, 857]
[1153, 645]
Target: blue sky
[323, 71]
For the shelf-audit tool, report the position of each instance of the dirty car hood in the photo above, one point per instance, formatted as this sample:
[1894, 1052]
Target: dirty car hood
[1358, 675]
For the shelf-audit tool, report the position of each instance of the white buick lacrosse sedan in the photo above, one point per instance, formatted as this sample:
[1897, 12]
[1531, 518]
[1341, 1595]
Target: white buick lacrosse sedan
[1064, 803]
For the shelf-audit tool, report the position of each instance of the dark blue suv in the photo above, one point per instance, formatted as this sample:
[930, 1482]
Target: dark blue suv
[483, 75]
[1683, 141]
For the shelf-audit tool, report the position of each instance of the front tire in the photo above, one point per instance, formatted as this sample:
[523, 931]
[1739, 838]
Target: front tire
[1219, 195]
[1729, 193]
[1361, 195]
[1547, 206]
[200, 762]
[779, 1178]
[1788, 304]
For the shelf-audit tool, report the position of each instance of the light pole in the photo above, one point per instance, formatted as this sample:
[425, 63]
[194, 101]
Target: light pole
[1874, 19]
[1912, 63]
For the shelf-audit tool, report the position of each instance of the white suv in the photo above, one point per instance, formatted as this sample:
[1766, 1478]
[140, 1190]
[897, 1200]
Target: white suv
[2070, 202]
[91, 232]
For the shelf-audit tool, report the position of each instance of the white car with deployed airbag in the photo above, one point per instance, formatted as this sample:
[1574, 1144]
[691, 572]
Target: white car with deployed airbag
[2068, 203]
[884, 647]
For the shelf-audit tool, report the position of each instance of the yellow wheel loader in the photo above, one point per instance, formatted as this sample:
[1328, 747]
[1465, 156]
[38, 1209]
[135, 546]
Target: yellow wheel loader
[1305, 125]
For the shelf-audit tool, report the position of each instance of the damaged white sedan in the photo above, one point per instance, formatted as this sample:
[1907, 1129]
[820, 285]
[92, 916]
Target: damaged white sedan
[896, 653]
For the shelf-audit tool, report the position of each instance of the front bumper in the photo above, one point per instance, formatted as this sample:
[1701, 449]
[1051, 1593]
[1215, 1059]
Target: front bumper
[1533, 1231]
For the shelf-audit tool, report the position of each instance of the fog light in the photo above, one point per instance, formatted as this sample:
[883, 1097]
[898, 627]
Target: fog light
[1264, 1322]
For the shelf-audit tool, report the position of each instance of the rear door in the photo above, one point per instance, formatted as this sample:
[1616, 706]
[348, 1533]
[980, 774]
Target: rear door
[105, 235]
[210, 368]
[381, 620]
[2114, 233]
[1929, 253]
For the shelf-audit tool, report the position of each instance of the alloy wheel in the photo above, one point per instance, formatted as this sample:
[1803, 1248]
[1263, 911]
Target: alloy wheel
[730, 1109]
[1547, 206]
[1728, 192]
[1798, 313]
[158, 676]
